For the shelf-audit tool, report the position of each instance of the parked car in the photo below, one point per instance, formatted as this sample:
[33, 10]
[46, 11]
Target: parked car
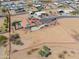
[19, 10]
[20, 5]
[13, 6]
[6, 5]
[37, 5]
[22, 2]
[68, 2]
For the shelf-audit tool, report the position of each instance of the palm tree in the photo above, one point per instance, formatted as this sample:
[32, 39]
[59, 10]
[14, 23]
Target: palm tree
[7, 15]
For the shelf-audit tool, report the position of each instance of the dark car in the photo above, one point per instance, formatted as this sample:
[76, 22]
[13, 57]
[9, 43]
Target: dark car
[19, 10]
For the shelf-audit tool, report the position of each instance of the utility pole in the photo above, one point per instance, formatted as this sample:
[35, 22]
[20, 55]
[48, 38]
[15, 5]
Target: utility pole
[9, 43]
[0, 3]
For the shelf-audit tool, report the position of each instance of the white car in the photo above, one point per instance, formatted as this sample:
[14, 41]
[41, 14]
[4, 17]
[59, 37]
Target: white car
[13, 7]
[37, 5]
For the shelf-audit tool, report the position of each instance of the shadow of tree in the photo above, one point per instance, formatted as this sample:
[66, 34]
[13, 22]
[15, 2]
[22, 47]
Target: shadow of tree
[15, 39]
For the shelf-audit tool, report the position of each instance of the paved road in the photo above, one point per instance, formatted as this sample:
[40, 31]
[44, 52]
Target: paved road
[67, 17]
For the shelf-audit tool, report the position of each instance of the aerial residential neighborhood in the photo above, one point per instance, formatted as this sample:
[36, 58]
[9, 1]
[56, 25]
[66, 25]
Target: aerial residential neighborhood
[39, 29]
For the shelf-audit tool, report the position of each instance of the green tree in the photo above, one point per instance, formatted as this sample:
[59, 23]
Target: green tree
[3, 40]
[45, 51]
[5, 24]
[75, 12]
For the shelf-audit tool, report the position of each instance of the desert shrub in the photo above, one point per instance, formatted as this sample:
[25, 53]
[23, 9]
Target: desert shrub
[61, 56]
[45, 51]
[14, 37]
[65, 52]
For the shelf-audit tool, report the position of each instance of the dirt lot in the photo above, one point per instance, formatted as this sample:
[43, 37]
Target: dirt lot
[60, 37]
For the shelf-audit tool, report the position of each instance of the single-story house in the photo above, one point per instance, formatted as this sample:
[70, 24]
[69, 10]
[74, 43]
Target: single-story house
[48, 19]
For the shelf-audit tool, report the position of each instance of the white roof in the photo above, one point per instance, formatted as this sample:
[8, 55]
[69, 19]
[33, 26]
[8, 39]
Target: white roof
[37, 5]
[56, 3]
[39, 13]
[60, 10]
[68, 11]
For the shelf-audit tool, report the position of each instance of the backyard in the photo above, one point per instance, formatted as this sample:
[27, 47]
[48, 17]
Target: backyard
[64, 35]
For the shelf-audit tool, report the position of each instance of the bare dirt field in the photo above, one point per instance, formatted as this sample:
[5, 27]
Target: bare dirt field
[64, 36]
